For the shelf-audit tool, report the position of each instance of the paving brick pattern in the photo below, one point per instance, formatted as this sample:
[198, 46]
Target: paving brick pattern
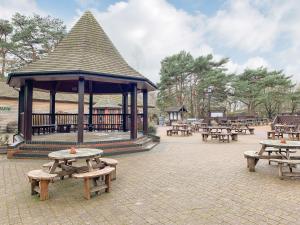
[181, 181]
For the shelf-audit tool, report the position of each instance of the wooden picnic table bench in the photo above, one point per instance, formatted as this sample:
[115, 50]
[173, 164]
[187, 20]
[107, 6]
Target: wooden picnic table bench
[289, 163]
[220, 136]
[294, 135]
[289, 147]
[96, 168]
[171, 132]
[43, 129]
[183, 132]
[97, 183]
[112, 163]
[243, 130]
[40, 180]
[63, 128]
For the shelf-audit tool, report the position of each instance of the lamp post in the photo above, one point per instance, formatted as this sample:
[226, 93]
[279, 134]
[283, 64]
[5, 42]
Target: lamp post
[209, 93]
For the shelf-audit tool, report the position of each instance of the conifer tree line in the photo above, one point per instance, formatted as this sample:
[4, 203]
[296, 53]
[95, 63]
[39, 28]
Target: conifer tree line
[25, 39]
[186, 80]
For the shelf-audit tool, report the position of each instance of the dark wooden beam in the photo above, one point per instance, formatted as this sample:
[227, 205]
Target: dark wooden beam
[145, 112]
[52, 106]
[21, 110]
[90, 106]
[80, 110]
[133, 109]
[125, 111]
[28, 89]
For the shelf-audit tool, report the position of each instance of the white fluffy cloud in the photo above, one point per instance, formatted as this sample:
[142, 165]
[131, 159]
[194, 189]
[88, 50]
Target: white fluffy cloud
[10, 7]
[241, 25]
[147, 31]
[251, 63]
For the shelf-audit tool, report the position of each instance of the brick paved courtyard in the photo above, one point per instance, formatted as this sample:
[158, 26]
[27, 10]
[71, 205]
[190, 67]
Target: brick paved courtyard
[181, 181]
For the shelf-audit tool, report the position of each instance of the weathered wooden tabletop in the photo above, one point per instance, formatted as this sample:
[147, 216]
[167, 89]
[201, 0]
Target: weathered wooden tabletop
[278, 144]
[81, 153]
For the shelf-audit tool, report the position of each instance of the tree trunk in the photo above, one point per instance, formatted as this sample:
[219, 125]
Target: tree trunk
[3, 64]
[34, 56]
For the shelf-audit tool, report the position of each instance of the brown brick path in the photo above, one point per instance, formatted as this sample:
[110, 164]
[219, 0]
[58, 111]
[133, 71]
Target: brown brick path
[181, 181]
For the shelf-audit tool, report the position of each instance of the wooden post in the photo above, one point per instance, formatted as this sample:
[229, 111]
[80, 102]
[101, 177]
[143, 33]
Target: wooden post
[133, 109]
[80, 110]
[52, 106]
[21, 110]
[28, 110]
[44, 190]
[87, 192]
[145, 112]
[125, 111]
[91, 106]
[108, 182]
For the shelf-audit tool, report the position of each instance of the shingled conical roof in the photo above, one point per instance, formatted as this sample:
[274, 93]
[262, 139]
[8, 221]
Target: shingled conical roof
[85, 48]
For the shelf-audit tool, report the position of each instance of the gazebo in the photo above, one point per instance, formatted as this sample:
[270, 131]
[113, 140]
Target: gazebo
[87, 63]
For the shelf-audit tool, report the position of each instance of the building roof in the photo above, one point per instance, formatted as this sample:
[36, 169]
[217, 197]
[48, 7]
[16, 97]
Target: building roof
[176, 109]
[11, 93]
[87, 50]
[113, 103]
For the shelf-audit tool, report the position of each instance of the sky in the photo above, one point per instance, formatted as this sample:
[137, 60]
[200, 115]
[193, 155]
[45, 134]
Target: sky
[252, 33]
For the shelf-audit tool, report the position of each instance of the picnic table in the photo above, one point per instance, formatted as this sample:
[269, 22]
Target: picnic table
[221, 133]
[282, 151]
[178, 126]
[278, 145]
[216, 129]
[294, 135]
[284, 127]
[43, 129]
[87, 154]
[101, 172]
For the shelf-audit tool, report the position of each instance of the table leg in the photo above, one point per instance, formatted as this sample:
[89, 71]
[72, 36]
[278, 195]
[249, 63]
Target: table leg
[54, 166]
[262, 150]
[288, 154]
[89, 165]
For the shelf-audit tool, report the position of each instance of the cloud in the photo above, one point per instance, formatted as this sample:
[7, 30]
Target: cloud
[88, 3]
[251, 63]
[147, 31]
[243, 26]
[26, 7]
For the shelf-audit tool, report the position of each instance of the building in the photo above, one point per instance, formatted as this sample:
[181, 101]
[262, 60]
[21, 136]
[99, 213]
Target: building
[176, 113]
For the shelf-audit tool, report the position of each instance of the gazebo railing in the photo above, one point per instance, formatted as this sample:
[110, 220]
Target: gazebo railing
[67, 122]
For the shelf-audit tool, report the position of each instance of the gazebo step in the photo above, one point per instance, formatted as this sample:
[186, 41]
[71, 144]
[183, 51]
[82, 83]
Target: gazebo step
[56, 148]
[25, 155]
[143, 141]
[42, 151]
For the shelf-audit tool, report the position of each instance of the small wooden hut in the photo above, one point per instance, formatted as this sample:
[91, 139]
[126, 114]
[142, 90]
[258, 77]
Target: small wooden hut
[176, 113]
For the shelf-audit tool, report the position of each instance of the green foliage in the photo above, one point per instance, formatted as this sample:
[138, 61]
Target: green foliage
[5, 44]
[28, 38]
[184, 81]
[295, 100]
[152, 129]
[260, 89]
[35, 36]
[4, 139]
